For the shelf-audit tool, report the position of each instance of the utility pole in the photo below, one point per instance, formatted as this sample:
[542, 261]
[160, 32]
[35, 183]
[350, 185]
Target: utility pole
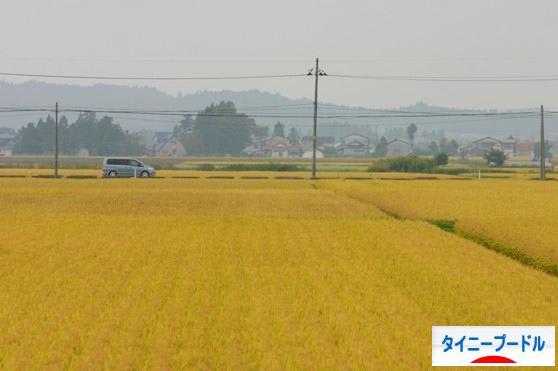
[317, 73]
[56, 141]
[542, 148]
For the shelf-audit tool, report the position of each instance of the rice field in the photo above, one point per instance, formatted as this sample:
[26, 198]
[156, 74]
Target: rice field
[520, 215]
[245, 274]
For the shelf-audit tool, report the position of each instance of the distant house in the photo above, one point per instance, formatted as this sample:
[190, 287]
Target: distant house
[164, 144]
[353, 145]
[321, 142]
[525, 149]
[398, 147]
[7, 141]
[161, 136]
[171, 147]
[276, 147]
[484, 145]
[509, 146]
[280, 147]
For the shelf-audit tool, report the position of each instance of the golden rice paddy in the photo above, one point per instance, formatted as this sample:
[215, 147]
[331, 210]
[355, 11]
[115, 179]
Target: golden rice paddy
[520, 214]
[250, 274]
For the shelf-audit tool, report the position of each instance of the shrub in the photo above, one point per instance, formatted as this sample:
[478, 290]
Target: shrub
[271, 166]
[206, 167]
[495, 157]
[407, 164]
[441, 159]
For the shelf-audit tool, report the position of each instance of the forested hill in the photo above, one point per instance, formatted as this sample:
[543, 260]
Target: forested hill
[148, 98]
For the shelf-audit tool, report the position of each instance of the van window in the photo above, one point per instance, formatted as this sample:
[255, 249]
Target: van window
[117, 161]
[134, 163]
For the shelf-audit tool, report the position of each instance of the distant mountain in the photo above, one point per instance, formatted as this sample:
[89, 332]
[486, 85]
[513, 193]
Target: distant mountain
[268, 108]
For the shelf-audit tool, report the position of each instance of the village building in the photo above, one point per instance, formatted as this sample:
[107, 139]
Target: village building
[398, 147]
[7, 141]
[480, 147]
[276, 147]
[353, 145]
[170, 147]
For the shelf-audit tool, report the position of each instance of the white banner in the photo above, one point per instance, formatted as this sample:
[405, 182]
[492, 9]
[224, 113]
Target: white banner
[493, 346]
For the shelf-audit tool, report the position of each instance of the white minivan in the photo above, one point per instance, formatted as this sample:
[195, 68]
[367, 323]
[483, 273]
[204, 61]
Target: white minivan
[126, 167]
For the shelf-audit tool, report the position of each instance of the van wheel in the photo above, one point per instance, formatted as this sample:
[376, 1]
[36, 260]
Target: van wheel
[112, 173]
[144, 173]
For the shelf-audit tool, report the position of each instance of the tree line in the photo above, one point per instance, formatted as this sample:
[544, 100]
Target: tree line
[97, 137]
[217, 130]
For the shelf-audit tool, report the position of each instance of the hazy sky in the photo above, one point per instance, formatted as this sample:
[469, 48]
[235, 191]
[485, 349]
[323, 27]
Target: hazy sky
[191, 37]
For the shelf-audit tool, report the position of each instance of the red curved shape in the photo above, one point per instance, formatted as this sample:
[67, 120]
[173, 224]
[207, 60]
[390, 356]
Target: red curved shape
[493, 359]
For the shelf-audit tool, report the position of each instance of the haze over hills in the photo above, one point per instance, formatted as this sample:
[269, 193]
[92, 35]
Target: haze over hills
[268, 108]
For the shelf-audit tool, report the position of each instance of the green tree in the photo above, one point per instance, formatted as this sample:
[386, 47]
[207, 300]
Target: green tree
[185, 126]
[411, 131]
[99, 137]
[260, 132]
[293, 136]
[495, 157]
[36, 139]
[279, 130]
[441, 159]
[221, 130]
[381, 148]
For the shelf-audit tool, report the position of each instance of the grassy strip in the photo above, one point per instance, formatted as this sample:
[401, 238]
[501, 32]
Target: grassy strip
[81, 176]
[444, 224]
[47, 176]
[541, 264]
[289, 177]
[271, 166]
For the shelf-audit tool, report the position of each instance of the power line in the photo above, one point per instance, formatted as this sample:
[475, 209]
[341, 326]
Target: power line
[394, 114]
[154, 60]
[9, 110]
[155, 78]
[449, 78]
[479, 118]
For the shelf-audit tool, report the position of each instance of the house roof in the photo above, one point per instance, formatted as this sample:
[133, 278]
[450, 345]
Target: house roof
[397, 140]
[159, 145]
[487, 138]
[278, 143]
[354, 135]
